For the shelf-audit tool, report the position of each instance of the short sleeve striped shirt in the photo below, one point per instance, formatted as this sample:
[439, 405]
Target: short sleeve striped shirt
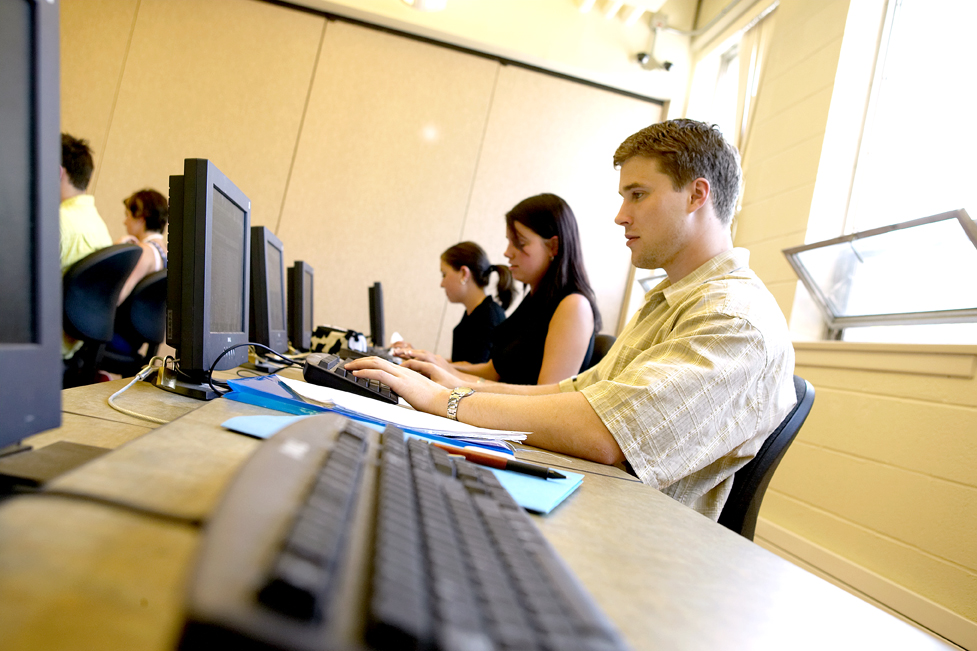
[697, 380]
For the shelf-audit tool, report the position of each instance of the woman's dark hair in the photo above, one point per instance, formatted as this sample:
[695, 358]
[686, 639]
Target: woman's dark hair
[151, 206]
[548, 215]
[471, 255]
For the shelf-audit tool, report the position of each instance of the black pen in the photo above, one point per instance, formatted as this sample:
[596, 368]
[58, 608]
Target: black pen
[496, 461]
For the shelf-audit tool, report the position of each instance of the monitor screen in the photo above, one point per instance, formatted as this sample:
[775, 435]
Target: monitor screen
[301, 307]
[307, 299]
[276, 286]
[208, 272]
[30, 156]
[227, 269]
[268, 290]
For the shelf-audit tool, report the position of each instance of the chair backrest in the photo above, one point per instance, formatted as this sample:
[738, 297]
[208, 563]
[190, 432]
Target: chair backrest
[750, 482]
[142, 316]
[91, 289]
[602, 344]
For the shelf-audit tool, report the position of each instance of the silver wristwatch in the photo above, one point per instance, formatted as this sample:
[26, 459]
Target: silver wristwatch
[456, 395]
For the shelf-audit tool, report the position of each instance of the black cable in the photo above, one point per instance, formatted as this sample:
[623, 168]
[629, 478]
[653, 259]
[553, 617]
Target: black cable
[210, 373]
[145, 511]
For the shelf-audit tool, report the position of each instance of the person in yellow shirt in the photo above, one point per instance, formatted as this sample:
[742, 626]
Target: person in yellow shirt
[82, 228]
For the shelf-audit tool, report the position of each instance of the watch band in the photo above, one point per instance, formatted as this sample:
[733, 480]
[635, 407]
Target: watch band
[456, 395]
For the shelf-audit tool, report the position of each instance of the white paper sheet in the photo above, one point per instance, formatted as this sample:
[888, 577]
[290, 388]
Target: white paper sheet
[402, 416]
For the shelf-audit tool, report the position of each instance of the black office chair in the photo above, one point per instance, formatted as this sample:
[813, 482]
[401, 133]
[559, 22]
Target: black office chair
[602, 344]
[140, 320]
[91, 289]
[750, 482]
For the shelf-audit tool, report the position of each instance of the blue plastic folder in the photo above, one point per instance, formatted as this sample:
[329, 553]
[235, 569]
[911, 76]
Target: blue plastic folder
[267, 391]
[531, 493]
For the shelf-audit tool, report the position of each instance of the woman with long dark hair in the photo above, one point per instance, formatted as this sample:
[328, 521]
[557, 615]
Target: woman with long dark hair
[550, 336]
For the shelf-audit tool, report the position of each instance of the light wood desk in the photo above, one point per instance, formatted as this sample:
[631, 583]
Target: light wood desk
[80, 575]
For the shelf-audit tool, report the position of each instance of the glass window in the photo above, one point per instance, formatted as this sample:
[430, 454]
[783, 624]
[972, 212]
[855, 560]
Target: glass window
[912, 273]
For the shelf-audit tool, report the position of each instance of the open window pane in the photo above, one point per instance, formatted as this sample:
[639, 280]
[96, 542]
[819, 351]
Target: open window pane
[911, 273]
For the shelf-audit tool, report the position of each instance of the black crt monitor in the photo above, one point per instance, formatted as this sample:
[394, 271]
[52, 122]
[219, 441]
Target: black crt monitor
[376, 315]
[208, 275]
[268, 291]
[300, 305]
[30, 160]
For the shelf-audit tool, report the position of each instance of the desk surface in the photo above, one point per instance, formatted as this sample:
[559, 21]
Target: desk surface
[80, 575]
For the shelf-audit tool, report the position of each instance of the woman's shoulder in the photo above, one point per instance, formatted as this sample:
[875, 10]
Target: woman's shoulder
[574, 307]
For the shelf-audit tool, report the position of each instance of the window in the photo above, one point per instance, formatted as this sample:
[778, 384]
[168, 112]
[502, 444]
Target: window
[896, 276]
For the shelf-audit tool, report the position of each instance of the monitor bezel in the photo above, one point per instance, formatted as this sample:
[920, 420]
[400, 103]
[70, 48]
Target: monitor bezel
[262, 330]
[376, 314]
[197, 347]
[31, 395]
[300, 274]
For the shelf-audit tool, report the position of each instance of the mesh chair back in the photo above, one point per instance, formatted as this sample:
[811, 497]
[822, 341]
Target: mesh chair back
[750, 482]
[91, 289]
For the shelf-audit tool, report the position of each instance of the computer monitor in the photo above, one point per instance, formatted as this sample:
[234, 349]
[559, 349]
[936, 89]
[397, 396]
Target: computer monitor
[208, 275]
[30, 159]
[376, 315]
[268, 290]
[300, 305]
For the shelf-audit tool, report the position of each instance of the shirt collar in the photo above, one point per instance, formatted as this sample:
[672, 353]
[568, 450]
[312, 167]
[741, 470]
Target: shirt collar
[724, 263]
[79, 200]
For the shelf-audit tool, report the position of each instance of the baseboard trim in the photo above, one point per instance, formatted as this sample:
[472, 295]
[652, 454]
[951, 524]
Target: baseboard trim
[915, 607]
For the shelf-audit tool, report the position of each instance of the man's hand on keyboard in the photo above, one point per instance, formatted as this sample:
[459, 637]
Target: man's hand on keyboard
[422, 393]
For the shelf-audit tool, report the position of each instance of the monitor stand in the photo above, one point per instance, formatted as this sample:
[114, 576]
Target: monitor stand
[169, 380]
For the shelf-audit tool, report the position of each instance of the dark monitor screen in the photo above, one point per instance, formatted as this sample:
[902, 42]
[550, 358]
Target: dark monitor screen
[30, 156]
[228, 256]
[208, 280]
[376, 315]
[301, 307]
[268, 290]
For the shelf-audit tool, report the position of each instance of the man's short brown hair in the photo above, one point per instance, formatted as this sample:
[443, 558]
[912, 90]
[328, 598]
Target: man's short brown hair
[687, 150]
[77, 161]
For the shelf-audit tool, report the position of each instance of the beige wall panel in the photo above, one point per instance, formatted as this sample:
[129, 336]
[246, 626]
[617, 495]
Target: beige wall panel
[804, 29]
[933, 439]
[769, 262]
[922, 511]
[783, 130]
[808, 77]
[792, 169]
[936, 579]
[785, 213]
[219, 79]
[917, 389]
[383, 173]
[94, 39]
[552, 135]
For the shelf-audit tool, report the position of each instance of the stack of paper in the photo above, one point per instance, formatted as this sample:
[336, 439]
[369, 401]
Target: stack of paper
[297, 397]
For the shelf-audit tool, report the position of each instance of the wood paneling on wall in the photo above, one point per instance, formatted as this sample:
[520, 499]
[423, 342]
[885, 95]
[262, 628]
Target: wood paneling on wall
[367, 153]
[94, 42]
[383, 174]
[546, 134]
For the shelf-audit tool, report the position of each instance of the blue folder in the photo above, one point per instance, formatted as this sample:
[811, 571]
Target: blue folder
[532, 493]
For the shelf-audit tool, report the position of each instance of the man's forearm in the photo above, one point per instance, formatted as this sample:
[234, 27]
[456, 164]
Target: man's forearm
[562, 422]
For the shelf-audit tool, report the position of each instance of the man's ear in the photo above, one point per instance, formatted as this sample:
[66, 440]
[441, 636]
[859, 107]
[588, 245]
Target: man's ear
[699, 193]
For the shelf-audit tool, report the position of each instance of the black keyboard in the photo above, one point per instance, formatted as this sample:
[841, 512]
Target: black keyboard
[333, 536]
[329, 370]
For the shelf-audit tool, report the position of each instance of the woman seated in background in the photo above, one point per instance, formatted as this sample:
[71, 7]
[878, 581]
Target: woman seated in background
[465, 273]
[550, 336]
[146, 215]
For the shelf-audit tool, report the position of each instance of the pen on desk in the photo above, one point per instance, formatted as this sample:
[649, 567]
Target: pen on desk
[502, 463]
